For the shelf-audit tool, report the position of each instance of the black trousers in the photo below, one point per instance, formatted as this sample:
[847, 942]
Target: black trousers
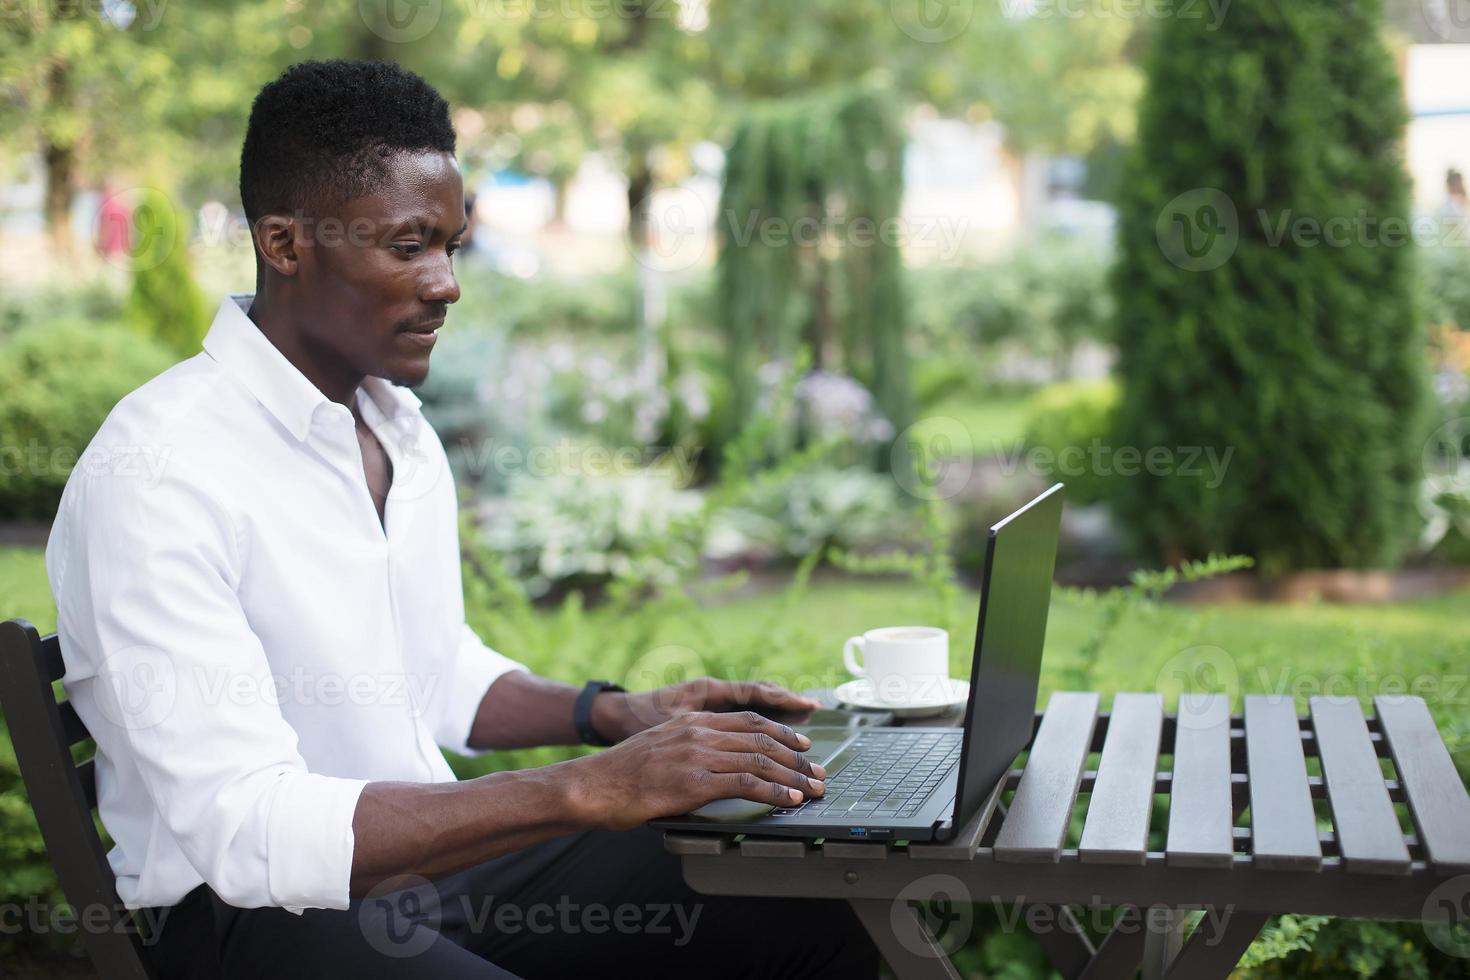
[601, 903]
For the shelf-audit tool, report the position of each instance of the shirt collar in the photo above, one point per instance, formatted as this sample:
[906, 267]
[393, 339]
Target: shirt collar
[237, 344]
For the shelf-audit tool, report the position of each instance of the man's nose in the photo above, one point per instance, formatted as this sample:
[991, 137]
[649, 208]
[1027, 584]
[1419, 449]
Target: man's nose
[441, 286]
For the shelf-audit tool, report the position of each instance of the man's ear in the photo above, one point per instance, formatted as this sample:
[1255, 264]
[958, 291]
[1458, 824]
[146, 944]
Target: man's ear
[276, 241]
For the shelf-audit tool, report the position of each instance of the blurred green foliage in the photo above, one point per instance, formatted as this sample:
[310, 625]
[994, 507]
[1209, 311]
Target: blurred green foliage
[60, 380]
[165, 302]
[1304, 354]
[1065, 421]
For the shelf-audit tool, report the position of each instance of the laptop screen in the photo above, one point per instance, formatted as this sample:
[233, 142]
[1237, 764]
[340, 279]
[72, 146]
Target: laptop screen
[1020, 557]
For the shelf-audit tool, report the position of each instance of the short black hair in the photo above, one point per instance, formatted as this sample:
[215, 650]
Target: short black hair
[324, 132]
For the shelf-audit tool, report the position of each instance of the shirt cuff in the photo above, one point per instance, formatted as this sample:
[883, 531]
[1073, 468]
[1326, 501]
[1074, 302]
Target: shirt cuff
[311, 841]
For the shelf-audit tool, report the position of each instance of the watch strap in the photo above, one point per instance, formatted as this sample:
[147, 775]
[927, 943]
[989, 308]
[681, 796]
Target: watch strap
[582, 712]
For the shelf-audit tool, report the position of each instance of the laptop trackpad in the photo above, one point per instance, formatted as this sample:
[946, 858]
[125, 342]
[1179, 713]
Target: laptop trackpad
[824, 746]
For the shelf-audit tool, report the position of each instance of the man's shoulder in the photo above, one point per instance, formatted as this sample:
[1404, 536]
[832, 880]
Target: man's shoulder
[180, 405]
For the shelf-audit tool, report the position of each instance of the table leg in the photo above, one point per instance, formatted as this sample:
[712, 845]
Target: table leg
[1066, 943]
[904, 940]
[1120, 951]
[1211, 952]
[1165, 934]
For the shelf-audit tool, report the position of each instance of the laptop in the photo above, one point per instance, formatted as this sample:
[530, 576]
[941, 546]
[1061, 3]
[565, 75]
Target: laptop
[923, 783]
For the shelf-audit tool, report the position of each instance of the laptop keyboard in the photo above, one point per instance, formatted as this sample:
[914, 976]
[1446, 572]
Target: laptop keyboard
[884, 775]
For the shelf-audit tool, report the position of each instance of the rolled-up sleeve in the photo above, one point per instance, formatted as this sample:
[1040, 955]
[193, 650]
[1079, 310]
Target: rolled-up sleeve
[165, 671]
[476, 667]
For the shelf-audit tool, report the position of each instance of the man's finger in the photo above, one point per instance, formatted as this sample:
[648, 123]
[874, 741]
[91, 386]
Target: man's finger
[762, 765]
[760, 742]
[766, 694]
[750, 721]
[748, 786]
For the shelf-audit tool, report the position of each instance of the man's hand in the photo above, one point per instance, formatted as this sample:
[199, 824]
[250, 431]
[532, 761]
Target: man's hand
[618, 716]
[692, 759]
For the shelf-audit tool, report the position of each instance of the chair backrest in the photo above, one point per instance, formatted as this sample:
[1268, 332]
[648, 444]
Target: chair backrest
[63, 796]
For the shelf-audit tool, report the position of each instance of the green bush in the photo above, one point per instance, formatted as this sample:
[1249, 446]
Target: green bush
[1445, 279]
[93, 300]
[1301, 353]
[165, 302]
[1045, 298]
[602, 305]
[57, 384]
[1069, 429]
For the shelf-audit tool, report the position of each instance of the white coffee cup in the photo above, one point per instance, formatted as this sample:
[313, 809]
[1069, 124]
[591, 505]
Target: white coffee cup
[904, 664]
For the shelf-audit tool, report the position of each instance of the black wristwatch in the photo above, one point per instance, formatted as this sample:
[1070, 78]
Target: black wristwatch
[582, 711]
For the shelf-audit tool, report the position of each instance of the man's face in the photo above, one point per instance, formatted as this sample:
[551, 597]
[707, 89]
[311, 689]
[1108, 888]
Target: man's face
[379, 276]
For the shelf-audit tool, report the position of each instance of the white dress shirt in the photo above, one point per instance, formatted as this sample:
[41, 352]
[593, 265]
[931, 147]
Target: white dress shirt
[246, 642]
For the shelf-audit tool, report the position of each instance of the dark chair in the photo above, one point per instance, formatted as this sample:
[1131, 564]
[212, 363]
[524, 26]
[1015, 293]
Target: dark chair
[64, 795]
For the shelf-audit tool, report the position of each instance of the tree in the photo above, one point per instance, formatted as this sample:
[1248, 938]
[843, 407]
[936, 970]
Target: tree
[75, 78]
[1265, 295]
[807, 258]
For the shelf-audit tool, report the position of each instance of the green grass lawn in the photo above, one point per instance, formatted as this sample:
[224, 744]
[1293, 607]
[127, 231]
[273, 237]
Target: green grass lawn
[23, 589]
[994, 422]
[1420, 646]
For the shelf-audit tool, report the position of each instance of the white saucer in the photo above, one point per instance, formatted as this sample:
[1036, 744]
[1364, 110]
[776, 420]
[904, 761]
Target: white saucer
[859, 694]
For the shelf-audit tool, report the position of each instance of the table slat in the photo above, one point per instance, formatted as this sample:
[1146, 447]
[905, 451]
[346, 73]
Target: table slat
[1283, 823]
[1200, 799]
[1116, 831]
[1368, 834]
[1436, 796]
[1036, 821]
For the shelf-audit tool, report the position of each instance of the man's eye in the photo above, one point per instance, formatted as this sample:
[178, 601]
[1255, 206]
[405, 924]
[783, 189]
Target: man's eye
[454, 247]
[406, 248]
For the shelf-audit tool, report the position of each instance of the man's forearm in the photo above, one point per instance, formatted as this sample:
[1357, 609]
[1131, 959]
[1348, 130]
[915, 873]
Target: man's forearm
[434, 829]
[522, 710]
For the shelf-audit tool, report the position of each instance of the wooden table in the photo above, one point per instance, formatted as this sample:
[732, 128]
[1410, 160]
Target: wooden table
[1333, 768]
